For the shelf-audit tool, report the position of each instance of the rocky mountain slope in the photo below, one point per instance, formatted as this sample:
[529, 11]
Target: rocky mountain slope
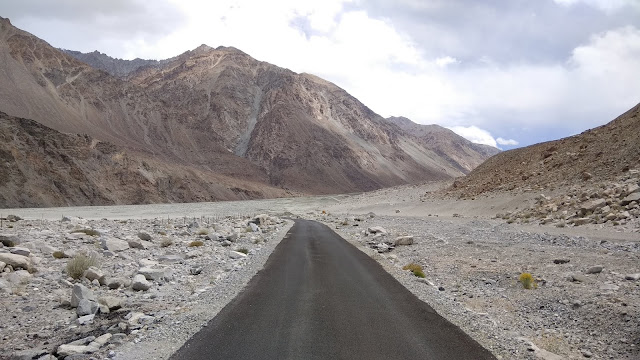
[40, 166]
[458, 151]
[600, 154]
[223, 112]
[117, 67]
[590, 178]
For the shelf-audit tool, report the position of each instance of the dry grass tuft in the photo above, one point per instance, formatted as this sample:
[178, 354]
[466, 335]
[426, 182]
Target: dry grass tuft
[79, 264]
[415, 269]
[196, 243]
[527, 280]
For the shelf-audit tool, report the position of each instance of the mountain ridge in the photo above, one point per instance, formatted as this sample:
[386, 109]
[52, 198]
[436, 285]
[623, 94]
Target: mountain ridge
[222, 111]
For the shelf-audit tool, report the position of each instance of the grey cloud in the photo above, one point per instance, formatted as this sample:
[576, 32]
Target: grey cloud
[538, 31]
[76, 24]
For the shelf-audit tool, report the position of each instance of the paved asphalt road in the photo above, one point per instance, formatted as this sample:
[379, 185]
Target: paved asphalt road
[318, 297]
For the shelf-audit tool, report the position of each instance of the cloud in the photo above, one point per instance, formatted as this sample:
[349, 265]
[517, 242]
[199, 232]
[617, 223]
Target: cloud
[524, 73]
[604, 5]
[509, 142]
[475, 134]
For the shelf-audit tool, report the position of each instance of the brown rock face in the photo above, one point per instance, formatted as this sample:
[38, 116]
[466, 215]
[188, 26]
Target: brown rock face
[225, 114]
[599, 155]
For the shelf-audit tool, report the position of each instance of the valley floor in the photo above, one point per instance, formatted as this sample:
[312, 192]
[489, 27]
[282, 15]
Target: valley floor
[585, 302]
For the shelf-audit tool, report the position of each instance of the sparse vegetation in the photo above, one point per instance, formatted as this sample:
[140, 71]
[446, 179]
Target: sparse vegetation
[526, 279]
[196, 243]
[166, 242]
[248, 229]
[243, 250]
[59, 254]
[79, 264]
[415, 269]
[89, 232]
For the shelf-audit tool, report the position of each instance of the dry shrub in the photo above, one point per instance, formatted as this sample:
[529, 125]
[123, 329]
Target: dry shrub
[89, 232]
[79, 264]
[196, 243]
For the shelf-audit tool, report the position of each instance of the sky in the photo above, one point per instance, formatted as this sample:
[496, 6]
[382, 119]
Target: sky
[506, 73]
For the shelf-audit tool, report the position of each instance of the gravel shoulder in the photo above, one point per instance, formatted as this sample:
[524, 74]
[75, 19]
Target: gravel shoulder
[582, 305]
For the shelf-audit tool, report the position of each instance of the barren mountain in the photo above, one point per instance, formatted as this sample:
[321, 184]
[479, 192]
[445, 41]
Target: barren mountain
[43, 167]
[117, 67]
[460, 152]
[597, 155]
[223, 112]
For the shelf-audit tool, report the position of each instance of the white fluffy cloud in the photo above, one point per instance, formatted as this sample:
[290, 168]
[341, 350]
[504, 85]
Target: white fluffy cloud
[480, 136]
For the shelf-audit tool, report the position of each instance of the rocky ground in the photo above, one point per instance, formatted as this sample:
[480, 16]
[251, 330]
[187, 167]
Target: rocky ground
[584, 303]
[151, 281]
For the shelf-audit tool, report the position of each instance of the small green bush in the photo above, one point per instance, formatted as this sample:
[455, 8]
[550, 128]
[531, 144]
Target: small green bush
[243, 250]
[415, 269]
[196, 243]
[527, 280]
[79, 264]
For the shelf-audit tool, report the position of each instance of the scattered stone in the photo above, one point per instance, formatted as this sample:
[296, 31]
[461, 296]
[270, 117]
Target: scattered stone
[561, 261]
[93, 273]
[195, 270]
[594, 270]
[579, 278]
[630, 198]
[140, 283]
[237, 255]
[633, 277]
[115, 283]
[593, 205]
[376, 230]
[403, 240]
[156, 273]
[85, 320]
[138, 244]
[586, 353]
[86, 307]
[9, 240]
[144, 236]
[111, 302]
[113, 244]
[81, 292]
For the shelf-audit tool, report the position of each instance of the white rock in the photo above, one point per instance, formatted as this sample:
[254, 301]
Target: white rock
[111, 302]
[2, 265]
[16, 261]
[376, 230]
[404, 240]
[156, 273]
[87, 319]
[20, 277]
[113, 244]
[102, 340]
[80, 292]
[255, 228]
[140, 283]
[237, 255]
[67, 350]
[633, 277]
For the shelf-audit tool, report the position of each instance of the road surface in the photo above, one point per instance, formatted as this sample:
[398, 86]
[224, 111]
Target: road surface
[318, 297]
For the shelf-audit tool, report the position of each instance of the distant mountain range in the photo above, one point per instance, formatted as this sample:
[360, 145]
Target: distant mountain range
[210, 124]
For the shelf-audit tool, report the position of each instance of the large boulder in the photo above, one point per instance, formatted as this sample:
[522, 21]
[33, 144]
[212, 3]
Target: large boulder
[9, 240]
[15, 260]
[86, 307]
